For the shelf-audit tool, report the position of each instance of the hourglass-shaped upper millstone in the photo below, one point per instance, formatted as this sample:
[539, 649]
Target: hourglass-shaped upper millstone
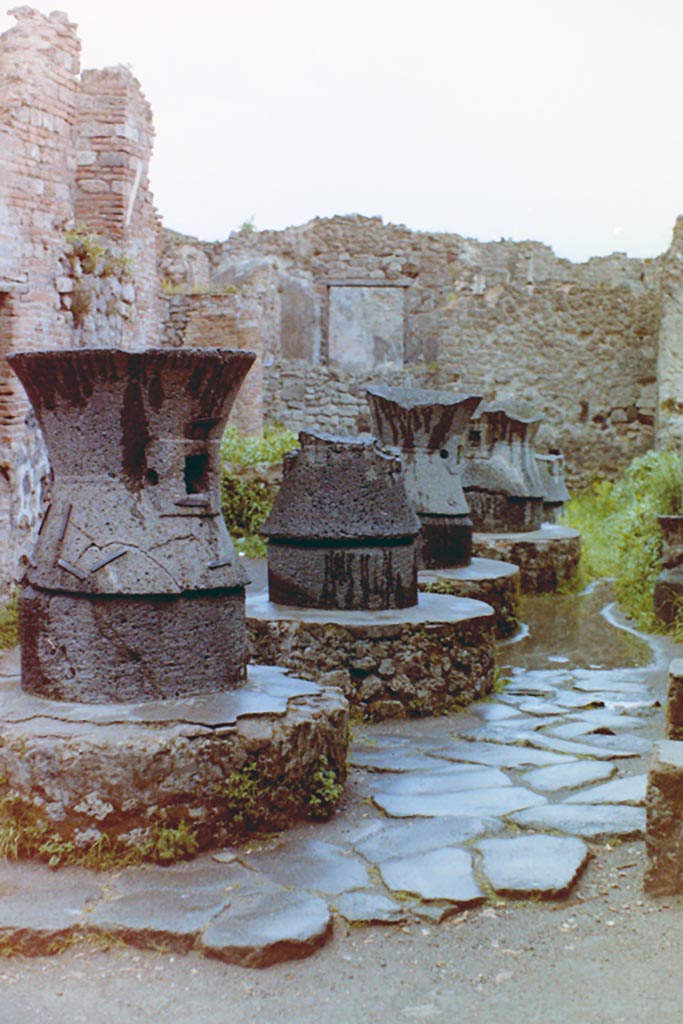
[550, 466]
[133, 440]
[500, 457]
[429, 426]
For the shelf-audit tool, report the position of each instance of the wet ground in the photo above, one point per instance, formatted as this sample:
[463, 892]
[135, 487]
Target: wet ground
[501, 847]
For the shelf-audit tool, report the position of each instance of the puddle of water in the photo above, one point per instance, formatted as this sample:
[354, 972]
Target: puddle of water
[574, 628]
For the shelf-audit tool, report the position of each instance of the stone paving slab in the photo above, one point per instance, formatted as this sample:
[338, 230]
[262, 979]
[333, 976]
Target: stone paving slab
[435, 875]
[311, 864]
[501, 755]
[630, 790]
[496, 712]
[579, 749]
[524, 866]
[455, 779]
[402, 838]
[41, 909]
[370, 907]
[573, 700]
[541, 708]
[505, 731]
[393, 761]
[486, 802]
[259, 929]
[624, 742]
[568, 776]
[158, 917]
[591, 821]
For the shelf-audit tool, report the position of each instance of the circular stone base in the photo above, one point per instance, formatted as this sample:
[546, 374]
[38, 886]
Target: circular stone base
[431, 658]
[496, 583]
[668, 594]
[547, 558]
[175, 776]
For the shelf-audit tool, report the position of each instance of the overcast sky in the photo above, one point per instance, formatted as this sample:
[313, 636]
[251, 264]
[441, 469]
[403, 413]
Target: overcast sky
[557, 121]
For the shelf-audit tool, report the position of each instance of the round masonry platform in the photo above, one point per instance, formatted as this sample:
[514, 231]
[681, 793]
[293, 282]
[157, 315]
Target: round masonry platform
[547, 558]
[484, 579]
[194, 771]
[434, 657]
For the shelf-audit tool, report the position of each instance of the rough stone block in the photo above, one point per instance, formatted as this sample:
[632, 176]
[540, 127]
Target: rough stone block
[674, 701]
[664, 803]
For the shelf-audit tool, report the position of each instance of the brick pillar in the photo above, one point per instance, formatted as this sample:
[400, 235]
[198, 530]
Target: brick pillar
[115, 135]
[39, 67]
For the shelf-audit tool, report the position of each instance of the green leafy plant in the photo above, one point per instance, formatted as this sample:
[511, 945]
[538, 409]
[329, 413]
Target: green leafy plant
[620, 535]
[9, 623]
[248, 484]
[256, 449]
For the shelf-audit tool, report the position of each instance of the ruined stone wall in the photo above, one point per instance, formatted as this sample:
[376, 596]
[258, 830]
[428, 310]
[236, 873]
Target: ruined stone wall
[354, 301]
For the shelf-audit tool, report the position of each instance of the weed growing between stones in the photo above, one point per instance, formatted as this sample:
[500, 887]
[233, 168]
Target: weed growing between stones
[620, 535]
[499, 681]
[24, 833]
[249, 484]
[326, 790]
[9, 623]
[94, 255]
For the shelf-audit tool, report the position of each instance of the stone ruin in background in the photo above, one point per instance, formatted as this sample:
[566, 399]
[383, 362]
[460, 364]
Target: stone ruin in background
[136, 708]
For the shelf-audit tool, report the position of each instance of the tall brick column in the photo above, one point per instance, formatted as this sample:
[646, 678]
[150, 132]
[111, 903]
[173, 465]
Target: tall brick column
[112, 197]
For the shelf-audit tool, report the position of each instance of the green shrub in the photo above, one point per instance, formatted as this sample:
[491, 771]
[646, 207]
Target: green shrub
[9, 624]
[255, 449]
[249, 485]
[620, 535]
